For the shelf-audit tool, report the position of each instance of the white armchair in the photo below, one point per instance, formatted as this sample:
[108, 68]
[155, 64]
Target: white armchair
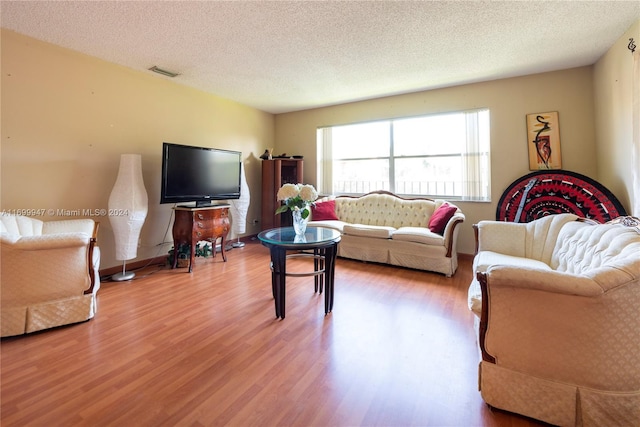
[559, 326]
[49, 273]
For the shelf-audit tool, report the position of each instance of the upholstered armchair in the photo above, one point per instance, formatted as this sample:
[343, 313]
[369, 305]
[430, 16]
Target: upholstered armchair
[558, 304]
[49, 273]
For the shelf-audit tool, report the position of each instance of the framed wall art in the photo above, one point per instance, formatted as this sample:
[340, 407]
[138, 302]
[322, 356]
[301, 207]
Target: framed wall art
[543, 139]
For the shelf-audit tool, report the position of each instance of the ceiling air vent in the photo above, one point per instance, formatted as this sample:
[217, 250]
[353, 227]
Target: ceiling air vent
[163, 72]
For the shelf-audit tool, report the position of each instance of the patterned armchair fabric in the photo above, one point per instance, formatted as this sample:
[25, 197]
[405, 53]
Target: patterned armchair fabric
[559, 320]
[49, 273]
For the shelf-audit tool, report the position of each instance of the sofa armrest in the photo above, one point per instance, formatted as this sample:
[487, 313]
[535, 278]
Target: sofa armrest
[572, 335]
[519, 277]
[86, 226]
[521, 280]
[518, 280]
[49, 241]
[450, 233]
[72, 260]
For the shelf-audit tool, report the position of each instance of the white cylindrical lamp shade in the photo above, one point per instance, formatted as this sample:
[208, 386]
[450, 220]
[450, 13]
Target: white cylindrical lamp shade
[239, 207]
[128, 205]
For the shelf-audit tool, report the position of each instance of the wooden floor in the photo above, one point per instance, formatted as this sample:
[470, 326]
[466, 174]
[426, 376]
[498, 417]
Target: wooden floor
[204, 349]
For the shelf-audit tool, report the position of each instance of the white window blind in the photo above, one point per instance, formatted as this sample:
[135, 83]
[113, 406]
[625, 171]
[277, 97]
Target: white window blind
[443, 156]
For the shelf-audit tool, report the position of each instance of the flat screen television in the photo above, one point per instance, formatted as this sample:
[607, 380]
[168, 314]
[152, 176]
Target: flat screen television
[199, 174]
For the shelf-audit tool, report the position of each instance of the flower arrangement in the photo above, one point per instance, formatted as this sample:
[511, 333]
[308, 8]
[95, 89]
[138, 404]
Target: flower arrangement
[296, 197]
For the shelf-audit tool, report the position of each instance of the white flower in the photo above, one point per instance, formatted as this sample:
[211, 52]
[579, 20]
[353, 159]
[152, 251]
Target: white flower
[308, 193]
[288, 191]
[296, 197]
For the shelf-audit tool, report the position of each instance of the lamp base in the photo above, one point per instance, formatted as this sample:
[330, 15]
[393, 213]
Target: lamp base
[238, 244]
[123, 276]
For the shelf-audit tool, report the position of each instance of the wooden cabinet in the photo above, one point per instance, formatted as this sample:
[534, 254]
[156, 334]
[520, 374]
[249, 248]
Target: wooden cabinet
[192, 225]
[275, 173]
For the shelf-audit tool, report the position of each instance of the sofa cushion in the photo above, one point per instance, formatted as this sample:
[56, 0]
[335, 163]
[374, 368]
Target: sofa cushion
[486, 259]
[374, 231]
[474, 298]
[324, 211]
[418, 235]
[440, 218]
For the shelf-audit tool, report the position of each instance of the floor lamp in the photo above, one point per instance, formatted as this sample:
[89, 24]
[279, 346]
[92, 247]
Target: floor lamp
[239, 208]
[128, 205]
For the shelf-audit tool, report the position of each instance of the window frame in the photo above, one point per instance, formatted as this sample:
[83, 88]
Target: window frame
[473, 148]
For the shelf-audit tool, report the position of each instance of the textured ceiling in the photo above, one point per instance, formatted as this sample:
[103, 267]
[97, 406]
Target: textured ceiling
[292, 55]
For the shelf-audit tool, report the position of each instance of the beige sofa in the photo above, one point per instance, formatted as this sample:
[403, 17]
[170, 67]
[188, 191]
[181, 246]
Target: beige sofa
[558, 303]
[382, 227]
[49, 273]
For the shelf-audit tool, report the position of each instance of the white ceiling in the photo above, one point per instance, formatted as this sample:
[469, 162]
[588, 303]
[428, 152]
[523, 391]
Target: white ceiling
[293, 55]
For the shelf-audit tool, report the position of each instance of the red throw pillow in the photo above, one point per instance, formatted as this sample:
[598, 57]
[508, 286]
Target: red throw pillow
[441, 217]
[324, 211]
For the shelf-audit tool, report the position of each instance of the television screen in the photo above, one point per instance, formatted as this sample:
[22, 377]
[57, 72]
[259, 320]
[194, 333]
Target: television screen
[199, 174]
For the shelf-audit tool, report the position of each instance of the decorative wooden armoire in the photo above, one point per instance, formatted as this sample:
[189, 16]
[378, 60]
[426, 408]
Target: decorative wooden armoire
[275, 173]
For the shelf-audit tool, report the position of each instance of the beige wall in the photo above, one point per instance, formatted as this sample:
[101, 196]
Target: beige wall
[569, 92]
[613, 93]
[67, 117]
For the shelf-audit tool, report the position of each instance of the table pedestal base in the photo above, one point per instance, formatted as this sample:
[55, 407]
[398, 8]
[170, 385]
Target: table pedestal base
[324, 272]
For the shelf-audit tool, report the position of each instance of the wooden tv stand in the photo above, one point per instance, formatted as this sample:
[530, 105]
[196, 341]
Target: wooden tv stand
[193, 224]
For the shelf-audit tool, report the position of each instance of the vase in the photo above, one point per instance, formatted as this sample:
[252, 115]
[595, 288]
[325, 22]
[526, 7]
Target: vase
[299, 223]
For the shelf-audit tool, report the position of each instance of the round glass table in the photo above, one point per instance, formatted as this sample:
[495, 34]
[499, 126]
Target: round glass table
[324, 244]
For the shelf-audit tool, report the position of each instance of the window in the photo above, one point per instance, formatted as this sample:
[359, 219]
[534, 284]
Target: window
[443, 155]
